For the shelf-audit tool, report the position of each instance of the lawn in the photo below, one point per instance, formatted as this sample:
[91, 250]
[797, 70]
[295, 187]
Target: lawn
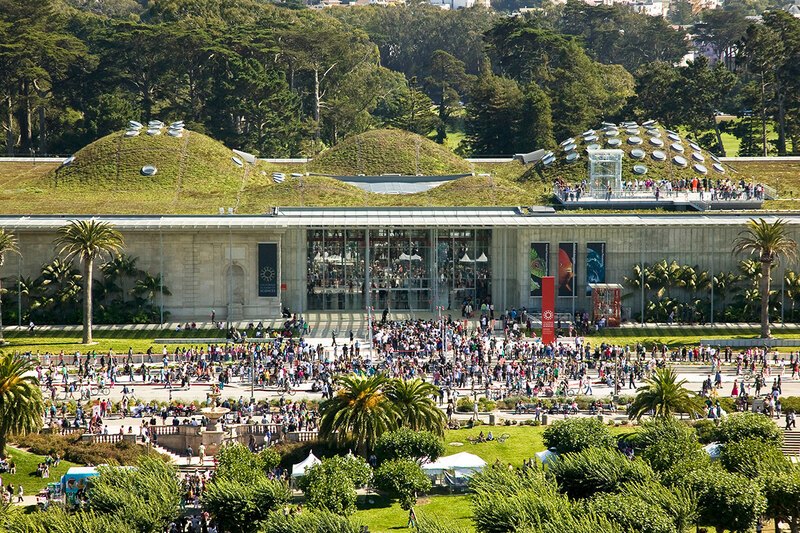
[676, 336]
[27, 464]
[117, 340]
[383, 515]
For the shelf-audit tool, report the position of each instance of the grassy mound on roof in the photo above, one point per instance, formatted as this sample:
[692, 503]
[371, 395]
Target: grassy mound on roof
[194, 162]
[388, 152]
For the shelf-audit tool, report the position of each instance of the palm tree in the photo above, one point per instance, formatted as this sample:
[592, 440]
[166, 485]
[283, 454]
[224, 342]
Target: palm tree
[770, 242]
[88, 240]
[416, 409]
[150, 286]
[359, 412]
[664, 394]
[21, 404]
[8, 244]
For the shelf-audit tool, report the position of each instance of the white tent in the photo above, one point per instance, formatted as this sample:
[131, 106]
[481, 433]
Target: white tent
[546, 456]
[463, 464]
[300, 468]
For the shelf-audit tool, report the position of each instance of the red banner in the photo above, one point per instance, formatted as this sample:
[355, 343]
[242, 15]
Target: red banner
[548, 309]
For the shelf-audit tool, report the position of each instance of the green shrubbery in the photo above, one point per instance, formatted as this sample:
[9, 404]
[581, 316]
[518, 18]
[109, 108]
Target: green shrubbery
[70, 448]
[740, 426]
[402, 479]
[404, 443]
[576, 434]
[331, 485]
[592, 470]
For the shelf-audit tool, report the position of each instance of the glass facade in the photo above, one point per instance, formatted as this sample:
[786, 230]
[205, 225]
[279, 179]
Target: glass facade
[409, 269]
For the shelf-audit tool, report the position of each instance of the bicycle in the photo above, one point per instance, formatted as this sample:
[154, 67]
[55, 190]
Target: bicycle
[287, 390]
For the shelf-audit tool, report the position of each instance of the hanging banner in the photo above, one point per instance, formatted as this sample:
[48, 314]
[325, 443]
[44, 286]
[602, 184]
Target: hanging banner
[267, 269]
[595, 264]
[548, 309]
[566, 268]
[539, 265]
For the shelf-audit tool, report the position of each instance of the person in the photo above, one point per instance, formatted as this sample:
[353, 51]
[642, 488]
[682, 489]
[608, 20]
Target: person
[20, 493]
[790, 421]
[412, 518]
[490, 436]
[201, 453]
[189, 454]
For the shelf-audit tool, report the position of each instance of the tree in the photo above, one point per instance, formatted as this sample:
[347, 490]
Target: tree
[494, 116]
[21, 404]
[754, 458]
[727, 501]
[237, 463]
[146, 497]
[88, 240]
[411, 110]
[331, 485]
[783, 497]
[402, 479]
[663, 395]
[413, 402]
[405, 443]
[8, 245]
[594, 470]
[770, 242]
[358, 413]
[242, 506]
[577, 434]
[666, 442]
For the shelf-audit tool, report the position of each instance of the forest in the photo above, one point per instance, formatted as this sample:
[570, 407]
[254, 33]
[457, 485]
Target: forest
[282, 80]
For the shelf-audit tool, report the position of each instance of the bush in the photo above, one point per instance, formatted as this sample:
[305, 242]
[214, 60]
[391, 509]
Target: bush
[308, 522]
[237, 463]
[576, 434]
[70, 448]
[147, 497]
[632, 513]
[331, 485]
[727, 501]
[241, 506]
[56, 519]
[402, 479]
[753, 458]
[666, 442]
[706, 430]
[585, 473]
[740, 426]
[409, 444]
[790, 403]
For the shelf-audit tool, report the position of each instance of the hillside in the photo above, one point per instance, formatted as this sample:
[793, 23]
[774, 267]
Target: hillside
[388, 151]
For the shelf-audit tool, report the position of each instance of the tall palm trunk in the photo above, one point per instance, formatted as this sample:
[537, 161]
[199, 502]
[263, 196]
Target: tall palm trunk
[766, 272]
[87, 300]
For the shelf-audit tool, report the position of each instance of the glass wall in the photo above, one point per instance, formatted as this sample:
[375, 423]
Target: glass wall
[409, 269]
[464, 267]
[336, 269]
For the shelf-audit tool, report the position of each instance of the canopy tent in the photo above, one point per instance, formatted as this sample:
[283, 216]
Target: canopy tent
[300, 468]
[547, 456]
[713, 450]
[462, 464]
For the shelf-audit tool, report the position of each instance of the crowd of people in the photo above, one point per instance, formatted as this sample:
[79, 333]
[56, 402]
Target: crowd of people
[708, 189]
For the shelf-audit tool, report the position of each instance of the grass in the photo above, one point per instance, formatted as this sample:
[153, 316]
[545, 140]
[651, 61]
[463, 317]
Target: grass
[378, 152]
[383, 515]
[119, 340]
[677, 336]
[27, 464]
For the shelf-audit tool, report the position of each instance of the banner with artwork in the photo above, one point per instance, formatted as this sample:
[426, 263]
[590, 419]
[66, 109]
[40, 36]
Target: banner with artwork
[268, 269]
[539, 264]
[566, 268]
[595, 264]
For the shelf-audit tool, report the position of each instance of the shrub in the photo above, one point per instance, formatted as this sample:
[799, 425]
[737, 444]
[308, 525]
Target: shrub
[331, 485]
[632, 513]
[741, 426]
[402, 479]
[790, 403]
[706, 430]
[576, 434]
[592, 470]
[409, 444]
[147, 497]
[666, 442]
[241, 506]
[237, 463]
[70, 448]
[727, 501]
[308, 522]
[753, 458]
[56, 519]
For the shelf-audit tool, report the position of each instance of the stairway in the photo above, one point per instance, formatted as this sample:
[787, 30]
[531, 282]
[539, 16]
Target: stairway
[791, 443]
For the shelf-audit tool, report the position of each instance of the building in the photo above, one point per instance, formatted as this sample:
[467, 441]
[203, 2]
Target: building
[418, 259]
